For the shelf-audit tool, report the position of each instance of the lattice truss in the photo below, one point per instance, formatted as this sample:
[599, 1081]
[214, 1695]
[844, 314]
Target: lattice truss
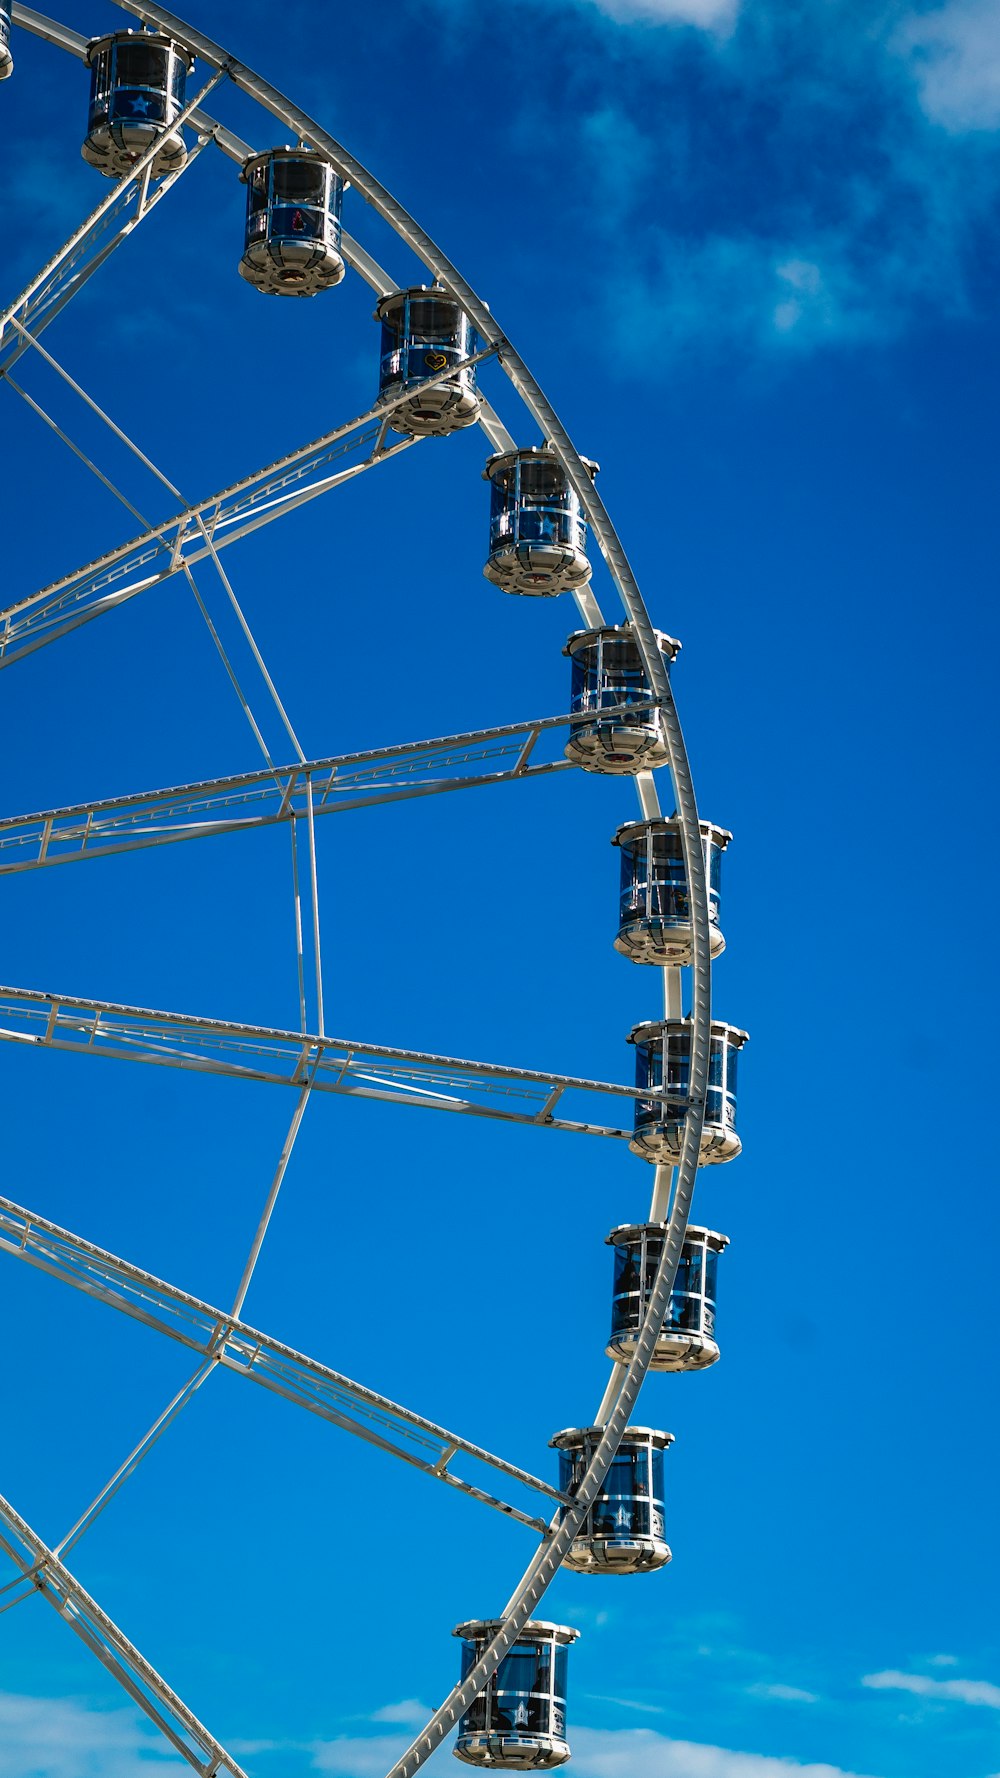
[294, 794]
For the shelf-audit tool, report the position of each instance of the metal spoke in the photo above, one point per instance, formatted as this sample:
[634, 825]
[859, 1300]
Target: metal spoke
[264, 798]
[287, 1058]
[272, 1198]
[234, 1346]
[28, 337]
[132, 1462]
[49, 1576]
[250, 639]
[190, 1389]
[241, 695]
[65, 439]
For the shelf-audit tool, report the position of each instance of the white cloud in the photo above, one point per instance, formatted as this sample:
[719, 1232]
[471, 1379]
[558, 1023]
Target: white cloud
[707, 15]
[807, 298]
[359, 1756]
[756, 292]
[784, 1694]
[409, 1711]
[63, 1738]
[624, 1703]
[720, 234]
[599, 1753]
[247, 1749]
[954, 53]
[943, 1661]
[957, 1691]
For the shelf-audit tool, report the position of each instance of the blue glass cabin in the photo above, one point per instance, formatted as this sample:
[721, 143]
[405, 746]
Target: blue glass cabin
[6, 59]
[423, 332]
[663, 1063]
[654, 922]
[607, 674]
[686, 1341]
[538, 533]
[292, 241]
[519, 1720]
[137, 91]
[623, 1532]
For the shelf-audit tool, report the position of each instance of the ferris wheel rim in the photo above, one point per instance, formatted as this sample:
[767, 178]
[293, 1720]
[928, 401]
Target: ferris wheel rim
[548, 1559]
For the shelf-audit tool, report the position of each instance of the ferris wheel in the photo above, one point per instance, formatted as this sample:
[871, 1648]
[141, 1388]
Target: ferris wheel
[154, 89]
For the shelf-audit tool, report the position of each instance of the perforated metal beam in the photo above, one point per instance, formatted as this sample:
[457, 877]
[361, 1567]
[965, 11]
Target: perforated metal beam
[265, 798]
[199, 531]
[53, 1580]
[249, 1353]
[287, 1058]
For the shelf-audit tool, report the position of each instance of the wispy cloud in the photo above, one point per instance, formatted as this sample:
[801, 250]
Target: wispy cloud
[409, 1712]
[789, 190]
[625, 1703]
[783, 1694]
[778, 181]
[601, 1753]
[707, 15]
[957, 1691]
[247, 1749]
[65, 1738]
[954, 51]
[942, 1661]
[358, 1756]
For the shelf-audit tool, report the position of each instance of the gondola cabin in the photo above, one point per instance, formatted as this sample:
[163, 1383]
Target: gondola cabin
[663, 1063]
[686, 1341]
[623, 1533]
[292, 241]
[519, 1722]
[423, 332]
[137, 92]
[607, 677]
[538, 533]
[6, 59]
[654, 919]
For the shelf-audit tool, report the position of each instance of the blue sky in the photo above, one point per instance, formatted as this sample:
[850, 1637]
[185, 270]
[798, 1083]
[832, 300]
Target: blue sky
[750, 250]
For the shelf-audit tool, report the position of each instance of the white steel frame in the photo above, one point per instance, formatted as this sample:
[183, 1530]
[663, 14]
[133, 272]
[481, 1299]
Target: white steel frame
[264, 798]
[225, 1340]
[294, 794]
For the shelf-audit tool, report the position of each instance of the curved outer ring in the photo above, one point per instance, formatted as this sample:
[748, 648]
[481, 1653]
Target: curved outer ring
[548, 1559]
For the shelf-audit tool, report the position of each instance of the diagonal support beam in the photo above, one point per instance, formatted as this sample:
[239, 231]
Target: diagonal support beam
[87, 247]
[289, 1058]
[267, 797]
[55, 288]
[225, 1340]
[200, 531]
[44, 1571]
